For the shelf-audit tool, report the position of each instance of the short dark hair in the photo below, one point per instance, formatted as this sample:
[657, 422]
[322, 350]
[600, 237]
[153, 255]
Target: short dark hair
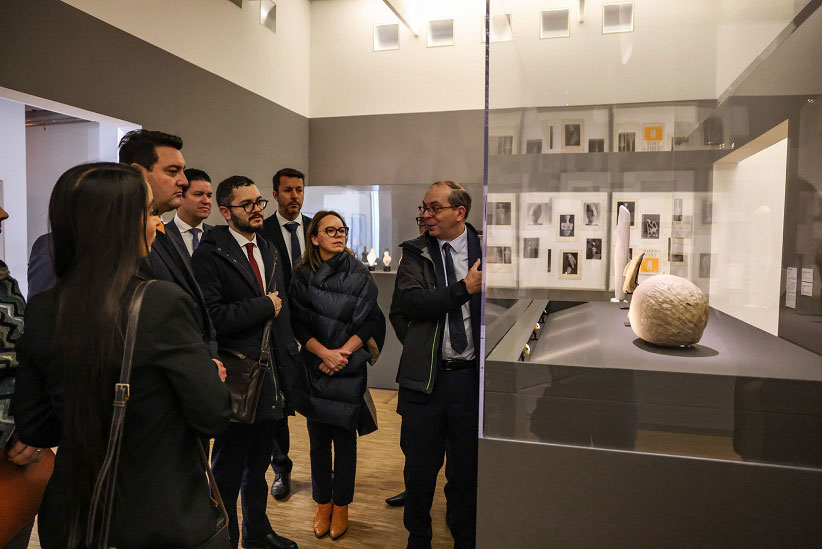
[226, 188]
[286, 172]
[193, 174]
[458, 196]
[139, 146]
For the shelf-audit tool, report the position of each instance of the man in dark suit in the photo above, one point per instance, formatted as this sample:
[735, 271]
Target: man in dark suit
[158, 156]
[439, 290]
[286, 229]
[187, 228]
[241, 275]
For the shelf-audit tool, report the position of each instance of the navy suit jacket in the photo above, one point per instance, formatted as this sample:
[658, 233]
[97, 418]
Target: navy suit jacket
[173, 232]
[272, 232]
[41, 266]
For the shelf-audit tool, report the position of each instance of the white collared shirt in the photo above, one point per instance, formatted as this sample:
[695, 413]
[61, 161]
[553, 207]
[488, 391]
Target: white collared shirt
[185, 231]
[242, 241]
[287, 235]
[459, 255]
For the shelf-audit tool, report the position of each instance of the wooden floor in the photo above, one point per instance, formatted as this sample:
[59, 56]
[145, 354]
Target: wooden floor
[372, 524]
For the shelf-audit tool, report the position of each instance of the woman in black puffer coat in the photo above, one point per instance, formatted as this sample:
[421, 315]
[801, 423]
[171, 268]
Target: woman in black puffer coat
[335, 316]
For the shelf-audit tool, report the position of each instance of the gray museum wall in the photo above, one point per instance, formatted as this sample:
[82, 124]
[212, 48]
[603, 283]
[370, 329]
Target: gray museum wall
[78, 60]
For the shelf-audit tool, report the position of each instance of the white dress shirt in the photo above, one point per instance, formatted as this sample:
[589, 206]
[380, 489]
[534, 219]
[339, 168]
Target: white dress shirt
[185, 231]
[287, 235]
[459, 254]
[242, 241]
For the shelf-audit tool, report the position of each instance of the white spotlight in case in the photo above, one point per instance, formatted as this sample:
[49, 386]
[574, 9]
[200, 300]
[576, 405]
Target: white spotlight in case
[580, 11]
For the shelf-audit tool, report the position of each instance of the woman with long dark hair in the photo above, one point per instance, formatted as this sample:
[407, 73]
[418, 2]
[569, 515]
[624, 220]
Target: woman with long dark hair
[71, 356]
[335, 316]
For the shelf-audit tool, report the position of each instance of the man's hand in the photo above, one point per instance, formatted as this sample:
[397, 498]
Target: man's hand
[335, 360]
[21, 454]
[220, 369]
[473, 280]
[278, 303]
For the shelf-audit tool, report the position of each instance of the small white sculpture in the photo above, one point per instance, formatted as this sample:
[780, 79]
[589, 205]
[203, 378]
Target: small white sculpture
[386, 258]
[623, 233]
[372, 258]
[669, 311]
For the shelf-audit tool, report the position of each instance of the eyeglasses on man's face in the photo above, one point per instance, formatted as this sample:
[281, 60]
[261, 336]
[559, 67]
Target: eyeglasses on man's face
[249, 206]
[434, 209]
[336, 231]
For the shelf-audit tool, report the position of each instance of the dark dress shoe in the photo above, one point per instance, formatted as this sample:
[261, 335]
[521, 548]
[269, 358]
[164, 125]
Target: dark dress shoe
[397, 501]
[272, 540]
[282, 486]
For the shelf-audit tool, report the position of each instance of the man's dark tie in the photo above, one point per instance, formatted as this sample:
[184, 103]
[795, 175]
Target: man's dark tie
[296, 253]
[456, 327]
[254, 267]
[195, 238]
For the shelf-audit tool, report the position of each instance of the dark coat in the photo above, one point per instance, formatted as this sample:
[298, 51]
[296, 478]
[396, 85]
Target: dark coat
[239, 310]
[176, 237]
[169, 264]
[423, 297]
[272, 232]
[41, 275]
[332, 304]
[162, 496]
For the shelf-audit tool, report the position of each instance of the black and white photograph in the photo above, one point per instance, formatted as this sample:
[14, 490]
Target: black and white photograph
[650, 226]
[499, 213]
[499, 254]
[530, 248]
[627, 141]
[502, 144]
[678, 207]
[567, 226]
[572, 135]
[548, 254]
[538, 213]
[533, 146]
[593, 248]
[571, 269]
[704, 265]
[596, 145]
[707, 211]
[593, 212]
[676, 250]
[550, 137]
[630, 205]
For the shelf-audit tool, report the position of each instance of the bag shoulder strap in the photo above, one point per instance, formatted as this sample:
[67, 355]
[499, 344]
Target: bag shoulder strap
[103, 493]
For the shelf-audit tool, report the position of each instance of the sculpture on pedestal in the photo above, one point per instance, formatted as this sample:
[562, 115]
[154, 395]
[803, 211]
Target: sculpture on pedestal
[372, 260]
[386, 261]
[669, 311]
[622, 235]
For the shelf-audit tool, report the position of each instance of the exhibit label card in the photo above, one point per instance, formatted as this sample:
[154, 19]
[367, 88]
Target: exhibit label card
[790, 288]
[807, 282]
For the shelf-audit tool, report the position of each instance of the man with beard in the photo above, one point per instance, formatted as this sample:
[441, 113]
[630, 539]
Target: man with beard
[286, 229]
[241, 276]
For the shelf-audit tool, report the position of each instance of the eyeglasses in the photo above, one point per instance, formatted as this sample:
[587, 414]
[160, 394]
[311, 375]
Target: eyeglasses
[249, 206]
[336, 231]
[420, 221]
[434, 209]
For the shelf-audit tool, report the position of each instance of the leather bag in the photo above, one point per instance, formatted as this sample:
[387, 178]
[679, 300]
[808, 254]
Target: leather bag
[102, 499]
[22, 487]
[244, 379]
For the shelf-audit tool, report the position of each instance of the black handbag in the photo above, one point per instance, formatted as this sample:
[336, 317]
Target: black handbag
[102, 499]
[245, 377]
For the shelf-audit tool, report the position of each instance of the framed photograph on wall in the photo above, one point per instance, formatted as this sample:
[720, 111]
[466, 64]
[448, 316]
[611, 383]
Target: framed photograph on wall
[499, 255]
[676, 250]
[596, 145]
[650, 226]
[629, 204]
[571, 268]
[538, 213]
[533, 146]
[650, 263]
[548, 254]
[499, 213]
[567, 228]
[653, 136]
[704, 265]
[592, 214]
[530, 248]
[573, 135]
[593, 248]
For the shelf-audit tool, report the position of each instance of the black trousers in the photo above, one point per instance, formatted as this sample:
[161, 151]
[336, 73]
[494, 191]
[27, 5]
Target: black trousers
[339, 486]
[445, 422]
[240, 458]
[280, 462]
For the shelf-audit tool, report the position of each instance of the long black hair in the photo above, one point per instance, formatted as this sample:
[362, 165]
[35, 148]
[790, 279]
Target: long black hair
[100, 238]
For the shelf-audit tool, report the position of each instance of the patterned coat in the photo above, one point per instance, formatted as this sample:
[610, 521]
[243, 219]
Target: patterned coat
[12, 308]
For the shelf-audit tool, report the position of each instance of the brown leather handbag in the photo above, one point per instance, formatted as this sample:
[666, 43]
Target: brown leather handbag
[244, 378]
[22, 487]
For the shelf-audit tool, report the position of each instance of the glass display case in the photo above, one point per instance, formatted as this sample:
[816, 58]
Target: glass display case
[724, 193]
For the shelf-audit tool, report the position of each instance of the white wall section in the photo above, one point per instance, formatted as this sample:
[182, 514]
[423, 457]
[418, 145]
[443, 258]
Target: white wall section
[13, 176]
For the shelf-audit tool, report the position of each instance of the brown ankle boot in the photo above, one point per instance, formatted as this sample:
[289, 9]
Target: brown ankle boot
[339, 521]
[323, 519]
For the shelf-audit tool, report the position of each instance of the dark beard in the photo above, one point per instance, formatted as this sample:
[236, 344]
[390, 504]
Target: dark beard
[244, 225]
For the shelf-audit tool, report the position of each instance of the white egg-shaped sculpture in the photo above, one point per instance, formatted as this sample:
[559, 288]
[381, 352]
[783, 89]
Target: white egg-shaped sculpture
[668, 310]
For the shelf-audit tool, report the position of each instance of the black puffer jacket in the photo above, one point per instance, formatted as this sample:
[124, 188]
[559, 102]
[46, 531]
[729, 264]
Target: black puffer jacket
[332, 304]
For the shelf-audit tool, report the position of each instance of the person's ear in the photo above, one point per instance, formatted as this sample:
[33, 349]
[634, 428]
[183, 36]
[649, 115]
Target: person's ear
[461, 213]
[225, 213]
[315, 241]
